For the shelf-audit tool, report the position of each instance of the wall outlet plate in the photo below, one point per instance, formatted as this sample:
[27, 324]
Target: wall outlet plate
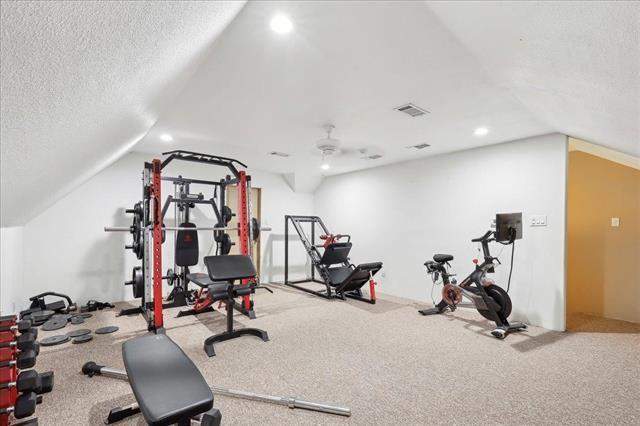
[537, 220]
[615, 222]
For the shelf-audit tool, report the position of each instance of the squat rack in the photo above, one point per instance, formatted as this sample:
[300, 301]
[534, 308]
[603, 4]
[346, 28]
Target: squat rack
[153, 213]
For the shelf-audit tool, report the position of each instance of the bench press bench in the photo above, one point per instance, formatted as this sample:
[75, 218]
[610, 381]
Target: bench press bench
[168, 387]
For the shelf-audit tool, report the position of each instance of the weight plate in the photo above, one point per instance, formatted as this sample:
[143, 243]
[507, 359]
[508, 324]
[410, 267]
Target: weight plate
[54, 340]
[79, 332]
[65, 317]
[39, 316]
[83, 339]
[107, 330]
[77, 320]
[54, 324]
[138, 282]
[86, 315]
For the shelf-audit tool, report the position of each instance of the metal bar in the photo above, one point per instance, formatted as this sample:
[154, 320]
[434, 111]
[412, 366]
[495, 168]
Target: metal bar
[182, 228]
[185, 180]
[288, 402]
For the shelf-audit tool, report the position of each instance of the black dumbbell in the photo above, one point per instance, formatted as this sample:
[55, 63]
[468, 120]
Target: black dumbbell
[46, 381]
[22, 326]
[31, 381]
[24, 342]
[24, 406]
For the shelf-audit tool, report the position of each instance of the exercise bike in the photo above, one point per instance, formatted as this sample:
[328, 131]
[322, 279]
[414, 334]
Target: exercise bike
[491, 301]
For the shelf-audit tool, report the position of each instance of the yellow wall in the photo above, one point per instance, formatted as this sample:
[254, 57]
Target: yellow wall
[603, 262]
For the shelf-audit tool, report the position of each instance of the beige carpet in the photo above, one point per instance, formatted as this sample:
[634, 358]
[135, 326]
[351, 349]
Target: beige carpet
[386, 362]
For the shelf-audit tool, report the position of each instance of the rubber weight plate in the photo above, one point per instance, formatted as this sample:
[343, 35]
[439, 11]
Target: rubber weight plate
[77, 320]
[107, 330]
[86, 315]
[40, 316]
[79, 332]
[54, 340]
[82, 339]
[54, 324]
[65, 317]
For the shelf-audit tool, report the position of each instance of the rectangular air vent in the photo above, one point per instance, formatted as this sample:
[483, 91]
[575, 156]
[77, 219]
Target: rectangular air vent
[412, 110]
[279, 154]
[374, 157]
[419, 146]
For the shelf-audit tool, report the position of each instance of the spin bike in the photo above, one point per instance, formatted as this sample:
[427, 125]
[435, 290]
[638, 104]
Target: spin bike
[492, 301]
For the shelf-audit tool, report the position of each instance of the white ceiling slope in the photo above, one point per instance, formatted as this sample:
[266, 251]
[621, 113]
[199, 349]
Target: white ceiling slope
[574, 65]
[350, 63]
[82, 82]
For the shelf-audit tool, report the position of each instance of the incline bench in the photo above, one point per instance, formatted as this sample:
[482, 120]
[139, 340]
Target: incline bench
[167, 385]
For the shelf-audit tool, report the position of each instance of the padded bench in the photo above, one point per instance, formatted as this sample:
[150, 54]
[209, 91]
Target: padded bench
[166, 383]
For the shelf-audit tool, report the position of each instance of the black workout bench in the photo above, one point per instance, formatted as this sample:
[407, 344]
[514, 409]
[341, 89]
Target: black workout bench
[167, 385]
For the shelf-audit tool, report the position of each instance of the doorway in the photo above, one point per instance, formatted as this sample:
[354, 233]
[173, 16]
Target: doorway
[603, 241]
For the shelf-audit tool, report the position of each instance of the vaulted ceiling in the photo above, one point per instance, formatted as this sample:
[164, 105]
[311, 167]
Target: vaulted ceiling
[83, 83]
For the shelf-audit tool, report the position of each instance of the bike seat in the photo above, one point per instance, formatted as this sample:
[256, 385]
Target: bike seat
[442, 258]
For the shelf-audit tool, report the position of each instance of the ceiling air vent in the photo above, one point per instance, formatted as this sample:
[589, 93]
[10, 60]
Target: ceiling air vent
[374, 157]
[279, 154]
[419, 146]
[412, 110]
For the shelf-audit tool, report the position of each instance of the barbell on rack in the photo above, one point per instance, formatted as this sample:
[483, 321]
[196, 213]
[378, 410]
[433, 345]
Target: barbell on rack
[179, 228]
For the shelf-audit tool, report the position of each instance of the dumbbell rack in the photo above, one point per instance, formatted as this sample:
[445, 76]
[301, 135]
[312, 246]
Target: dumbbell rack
[21, 387]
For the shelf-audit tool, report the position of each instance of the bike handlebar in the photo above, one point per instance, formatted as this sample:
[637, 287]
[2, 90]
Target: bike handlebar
[485, 237]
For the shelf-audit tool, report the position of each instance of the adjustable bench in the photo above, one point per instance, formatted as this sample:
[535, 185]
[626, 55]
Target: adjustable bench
[223, 271]
[167, 385]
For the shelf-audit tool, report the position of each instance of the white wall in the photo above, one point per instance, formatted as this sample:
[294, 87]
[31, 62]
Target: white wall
[11, 254]
[66, 249]
[404, 213]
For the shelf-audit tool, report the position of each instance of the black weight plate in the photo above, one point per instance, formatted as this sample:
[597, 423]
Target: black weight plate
[65, 317]
[107, 330]
[86, 315]
[83, 339]
[54, 324]
[79, 332]
[77, 320]
[54, 340]
[41, 315]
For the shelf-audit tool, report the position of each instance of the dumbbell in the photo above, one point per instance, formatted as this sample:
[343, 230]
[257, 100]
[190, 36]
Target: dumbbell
[22, 326]
[25, 359]
[31, 381]
[9, 350]
[24, 406]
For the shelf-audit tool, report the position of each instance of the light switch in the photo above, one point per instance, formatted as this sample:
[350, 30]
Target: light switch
[538, 220]
[615, 222]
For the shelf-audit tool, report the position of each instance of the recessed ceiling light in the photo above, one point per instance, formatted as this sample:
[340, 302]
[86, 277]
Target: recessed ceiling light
[325, 166]
[281, 24]
[481, 131]
[166, 137]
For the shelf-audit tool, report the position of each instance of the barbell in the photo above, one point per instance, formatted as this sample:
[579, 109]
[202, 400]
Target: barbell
[183, 228]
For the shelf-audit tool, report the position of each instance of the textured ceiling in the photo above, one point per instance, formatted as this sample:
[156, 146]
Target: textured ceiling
[82, 82]
[520, 68]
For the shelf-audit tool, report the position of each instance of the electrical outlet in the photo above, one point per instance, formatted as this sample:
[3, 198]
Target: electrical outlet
[615, 222]
[538, 220]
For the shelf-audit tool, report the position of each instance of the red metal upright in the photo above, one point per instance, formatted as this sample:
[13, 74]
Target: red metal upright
[243, 226]
[157, 244]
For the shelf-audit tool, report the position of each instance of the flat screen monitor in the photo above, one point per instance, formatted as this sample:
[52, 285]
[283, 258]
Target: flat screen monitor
[508, 227]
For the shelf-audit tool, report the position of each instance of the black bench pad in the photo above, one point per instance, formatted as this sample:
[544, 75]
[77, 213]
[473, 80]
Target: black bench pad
[200, 278]
[166, 383]
[358, 277]
[230, 267]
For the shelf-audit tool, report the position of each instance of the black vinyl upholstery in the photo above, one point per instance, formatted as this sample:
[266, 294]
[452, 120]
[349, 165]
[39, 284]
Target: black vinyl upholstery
[441, 258]
[166, 383]
[358, 277]
[200, 278]
[187, 246]
[336, 253]
[230, 267]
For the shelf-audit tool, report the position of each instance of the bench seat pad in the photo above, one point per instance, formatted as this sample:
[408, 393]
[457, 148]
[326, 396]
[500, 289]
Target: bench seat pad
[166, 383]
